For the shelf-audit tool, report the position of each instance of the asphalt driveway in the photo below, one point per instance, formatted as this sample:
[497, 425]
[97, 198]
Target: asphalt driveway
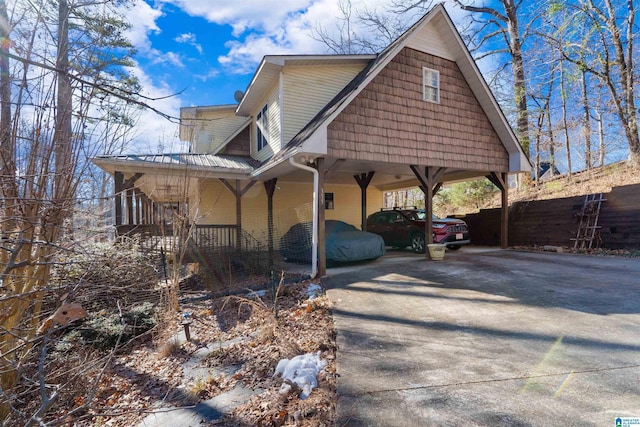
[487, 338]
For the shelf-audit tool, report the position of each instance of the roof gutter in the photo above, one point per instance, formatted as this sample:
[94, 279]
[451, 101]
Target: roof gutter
[314, 231]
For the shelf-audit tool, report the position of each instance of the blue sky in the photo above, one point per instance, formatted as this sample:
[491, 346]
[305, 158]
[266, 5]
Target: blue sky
[194, 70]
[204, 51]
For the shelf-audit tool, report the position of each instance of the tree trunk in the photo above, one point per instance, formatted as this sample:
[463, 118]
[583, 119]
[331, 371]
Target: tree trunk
[520, 89]
[7, 166]
[62, 135]
[598, 118]
[625, 101]
[567, 141]
[514, 41]
[586, 117]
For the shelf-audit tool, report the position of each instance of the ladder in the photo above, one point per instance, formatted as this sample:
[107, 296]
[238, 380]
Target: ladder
[588, 215]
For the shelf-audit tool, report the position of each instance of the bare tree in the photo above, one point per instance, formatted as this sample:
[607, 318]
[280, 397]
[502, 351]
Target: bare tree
[503, 26]
[543, 101]
[586, 118]
[610, 35]
[43, 151]
[565, 121]
[363, 30]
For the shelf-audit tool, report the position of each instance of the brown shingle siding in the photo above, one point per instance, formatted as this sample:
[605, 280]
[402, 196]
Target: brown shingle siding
[241, 144]
[389, 121]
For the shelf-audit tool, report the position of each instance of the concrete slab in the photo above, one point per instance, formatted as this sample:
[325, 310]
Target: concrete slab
[488, 337]
[204, 412]
[207, 411]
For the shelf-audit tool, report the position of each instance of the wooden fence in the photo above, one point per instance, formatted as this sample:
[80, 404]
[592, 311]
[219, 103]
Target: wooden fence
[555, 222]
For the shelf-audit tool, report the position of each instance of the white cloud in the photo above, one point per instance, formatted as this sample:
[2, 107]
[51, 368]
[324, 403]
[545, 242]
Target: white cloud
[142, 18]
[190, 39]
[167, 58]
[290, 32]
[276, 27]
[186, 38]
[263, 15]
[212, 73]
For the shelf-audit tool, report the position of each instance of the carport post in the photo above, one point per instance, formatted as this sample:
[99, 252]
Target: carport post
[363, 180]
[501, 180]
[429, 185]
[322, 252]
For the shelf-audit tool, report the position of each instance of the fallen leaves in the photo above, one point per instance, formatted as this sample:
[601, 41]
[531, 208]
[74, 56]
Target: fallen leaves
[244, 342]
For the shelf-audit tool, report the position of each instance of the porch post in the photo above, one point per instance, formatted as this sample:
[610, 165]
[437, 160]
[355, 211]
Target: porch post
[270, 188]
[363, 181]
[322, 251]
[146, 210]
[118, 184]
[238, 216]
[238, 192]
[501, 180]
[138, 198]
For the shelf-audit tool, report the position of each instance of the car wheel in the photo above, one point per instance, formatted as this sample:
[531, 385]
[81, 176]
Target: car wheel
[417, 243]
[454, 247]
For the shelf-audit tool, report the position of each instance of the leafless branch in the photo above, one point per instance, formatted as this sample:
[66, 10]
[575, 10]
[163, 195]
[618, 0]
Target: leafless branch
[120, 93]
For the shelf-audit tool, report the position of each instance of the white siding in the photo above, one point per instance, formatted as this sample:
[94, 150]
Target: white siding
[274, 127]
[214, 127]
[187, 126]
[307, 89]
[429, 40]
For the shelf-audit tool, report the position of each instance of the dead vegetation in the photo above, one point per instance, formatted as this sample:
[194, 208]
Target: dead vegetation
[244, 339]
[125, 361]
[595, 180]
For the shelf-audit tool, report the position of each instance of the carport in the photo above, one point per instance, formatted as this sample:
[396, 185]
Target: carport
[381, 131]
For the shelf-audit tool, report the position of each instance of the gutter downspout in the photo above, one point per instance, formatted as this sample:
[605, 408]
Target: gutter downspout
[314, 232]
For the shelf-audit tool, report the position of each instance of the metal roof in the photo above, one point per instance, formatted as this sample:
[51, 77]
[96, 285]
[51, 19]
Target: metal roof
[209, 162]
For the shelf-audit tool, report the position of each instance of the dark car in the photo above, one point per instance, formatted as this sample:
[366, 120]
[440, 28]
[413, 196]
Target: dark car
[343, 242]
[405, 227]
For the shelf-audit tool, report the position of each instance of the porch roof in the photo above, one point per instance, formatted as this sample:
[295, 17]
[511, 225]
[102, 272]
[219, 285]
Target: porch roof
[198, 165]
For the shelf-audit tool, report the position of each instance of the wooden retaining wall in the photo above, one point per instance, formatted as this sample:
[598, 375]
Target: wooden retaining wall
[555, 222]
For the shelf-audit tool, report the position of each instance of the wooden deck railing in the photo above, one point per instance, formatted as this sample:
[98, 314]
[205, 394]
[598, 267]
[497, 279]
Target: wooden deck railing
[213, 246]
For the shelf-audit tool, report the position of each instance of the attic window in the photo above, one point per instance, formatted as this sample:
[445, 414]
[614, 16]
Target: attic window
[431, 85]
[262, 127]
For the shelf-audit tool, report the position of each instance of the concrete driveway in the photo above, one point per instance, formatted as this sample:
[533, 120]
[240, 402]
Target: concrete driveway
[487, 338]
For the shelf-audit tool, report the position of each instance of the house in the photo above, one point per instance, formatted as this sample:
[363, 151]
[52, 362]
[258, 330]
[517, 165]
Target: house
[547, 170]
[324, 136]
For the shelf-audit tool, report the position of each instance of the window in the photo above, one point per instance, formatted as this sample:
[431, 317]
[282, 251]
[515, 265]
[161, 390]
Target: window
[431, 85]
[328, 201]
[262, 127]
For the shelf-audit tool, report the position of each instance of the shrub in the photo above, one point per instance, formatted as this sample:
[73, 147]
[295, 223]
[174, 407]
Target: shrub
[103, 330]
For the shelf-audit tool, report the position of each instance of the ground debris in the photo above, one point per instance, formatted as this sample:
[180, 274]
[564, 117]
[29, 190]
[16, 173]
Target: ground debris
[234, 341]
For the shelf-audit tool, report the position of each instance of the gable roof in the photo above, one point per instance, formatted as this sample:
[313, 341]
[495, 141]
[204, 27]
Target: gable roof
[440, 38]
[269, 70]
[312, 138]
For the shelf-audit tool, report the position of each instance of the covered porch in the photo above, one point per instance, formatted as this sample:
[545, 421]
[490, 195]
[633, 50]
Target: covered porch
[159, 198]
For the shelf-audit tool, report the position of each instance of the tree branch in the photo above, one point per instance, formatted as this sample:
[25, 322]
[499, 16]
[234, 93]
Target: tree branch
[108, 89]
